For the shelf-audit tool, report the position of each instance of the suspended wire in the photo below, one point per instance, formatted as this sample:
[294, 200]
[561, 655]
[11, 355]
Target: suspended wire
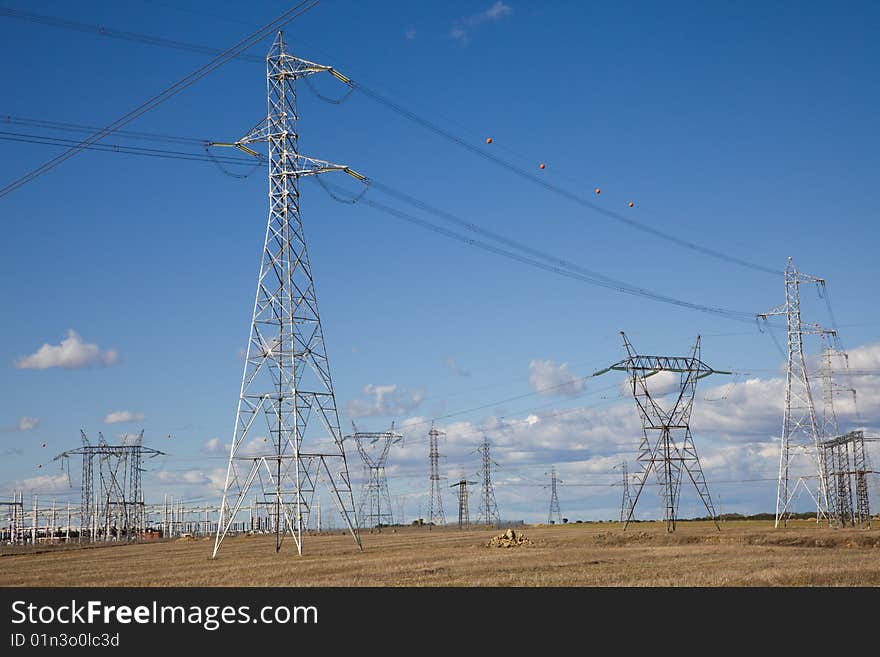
[556, 189]
[77, 127]
[333, 101]
[577, 273]
[164, 95]
[127, 150]
[406, 113]
[213, 158]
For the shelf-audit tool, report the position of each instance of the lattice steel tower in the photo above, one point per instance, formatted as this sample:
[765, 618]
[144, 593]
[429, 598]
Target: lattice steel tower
[801, 432]
[554, 498]
[669, 457]
[625, 498]
[375, 506]
[435, 500]
[286, 379]
[488, 513]
[462, 484]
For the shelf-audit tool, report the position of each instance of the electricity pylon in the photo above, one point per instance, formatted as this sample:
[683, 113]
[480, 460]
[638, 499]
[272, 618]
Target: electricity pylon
[488, 514]
[435, 500]
[286, 379]
[667, 456]
[625, 498]
[375, 506]
[801, 432]
[463, 515]
[554, 498]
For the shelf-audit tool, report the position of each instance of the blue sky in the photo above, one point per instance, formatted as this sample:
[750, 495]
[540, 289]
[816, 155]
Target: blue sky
[749, 128]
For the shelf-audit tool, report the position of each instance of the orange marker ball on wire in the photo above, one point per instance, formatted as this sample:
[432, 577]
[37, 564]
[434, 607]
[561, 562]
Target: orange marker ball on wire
[541, 165]
[488, 140]
[598, 191]
[630, 204]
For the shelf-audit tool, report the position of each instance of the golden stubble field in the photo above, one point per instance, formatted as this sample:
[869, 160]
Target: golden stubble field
[744, 553]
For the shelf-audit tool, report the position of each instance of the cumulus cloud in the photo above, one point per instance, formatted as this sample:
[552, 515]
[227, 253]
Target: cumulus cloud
[122, 416]
[453, 366]
[212, 480]
[26, 423]
[384, 400]
[463, 27]
[547, 378]
[42, 485]
[71, 354]
[215, 446]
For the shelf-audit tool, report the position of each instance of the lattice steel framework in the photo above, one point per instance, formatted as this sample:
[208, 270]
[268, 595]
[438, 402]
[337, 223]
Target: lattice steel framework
[846, 468]
[801, 432]
[464, 519]
[488, 512]
[286, 379]
[436, 516]
[672, 452]
[375, 506]
[625, 497]
[554, 498]
[112, 499]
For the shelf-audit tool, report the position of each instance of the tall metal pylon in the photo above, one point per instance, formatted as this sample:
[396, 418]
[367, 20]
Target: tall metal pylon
[435, 499]
[488, 513]
[554, 498]
[286, 379]
[625, 498]
[669, 457]
[462, 484]
[801, 432]
[373, 446]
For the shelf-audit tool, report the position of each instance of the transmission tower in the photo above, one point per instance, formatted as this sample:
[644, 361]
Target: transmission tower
[435, 499]
[463, 515]
[375, 506]
[669, 457]
[626, 499]
[488, 514]
[111, 495]
[801, 432]
[554, 499]
[846, 468]
[286, 378]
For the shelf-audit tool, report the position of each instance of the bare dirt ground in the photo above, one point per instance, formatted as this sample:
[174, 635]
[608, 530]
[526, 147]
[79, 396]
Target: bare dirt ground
[744, 553]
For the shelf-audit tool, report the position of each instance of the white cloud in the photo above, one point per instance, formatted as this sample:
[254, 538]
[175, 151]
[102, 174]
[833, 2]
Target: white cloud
[462, 28]
[41, 485]
[547, 378]
[122, 416]
[215, 446]
[453, 366]
[410, 34]
[71, 354]
[212, 480]
[26, 423]
[384, 401]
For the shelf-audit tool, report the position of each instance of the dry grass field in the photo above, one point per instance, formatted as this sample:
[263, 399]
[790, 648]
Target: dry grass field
[744, 553]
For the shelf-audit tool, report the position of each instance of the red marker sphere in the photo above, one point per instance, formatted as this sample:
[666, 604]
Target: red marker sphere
[598, 191]
[631, 204]
[488, 140]
[542, 165]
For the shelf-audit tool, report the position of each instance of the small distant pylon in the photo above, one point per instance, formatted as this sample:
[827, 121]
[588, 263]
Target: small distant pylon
[626, 497]
[488, 514]
[555, 515]
[435, 499]
[464, 520]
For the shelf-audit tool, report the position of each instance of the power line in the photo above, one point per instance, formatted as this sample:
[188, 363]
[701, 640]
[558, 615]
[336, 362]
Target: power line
[166, 94]
[409, 115]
